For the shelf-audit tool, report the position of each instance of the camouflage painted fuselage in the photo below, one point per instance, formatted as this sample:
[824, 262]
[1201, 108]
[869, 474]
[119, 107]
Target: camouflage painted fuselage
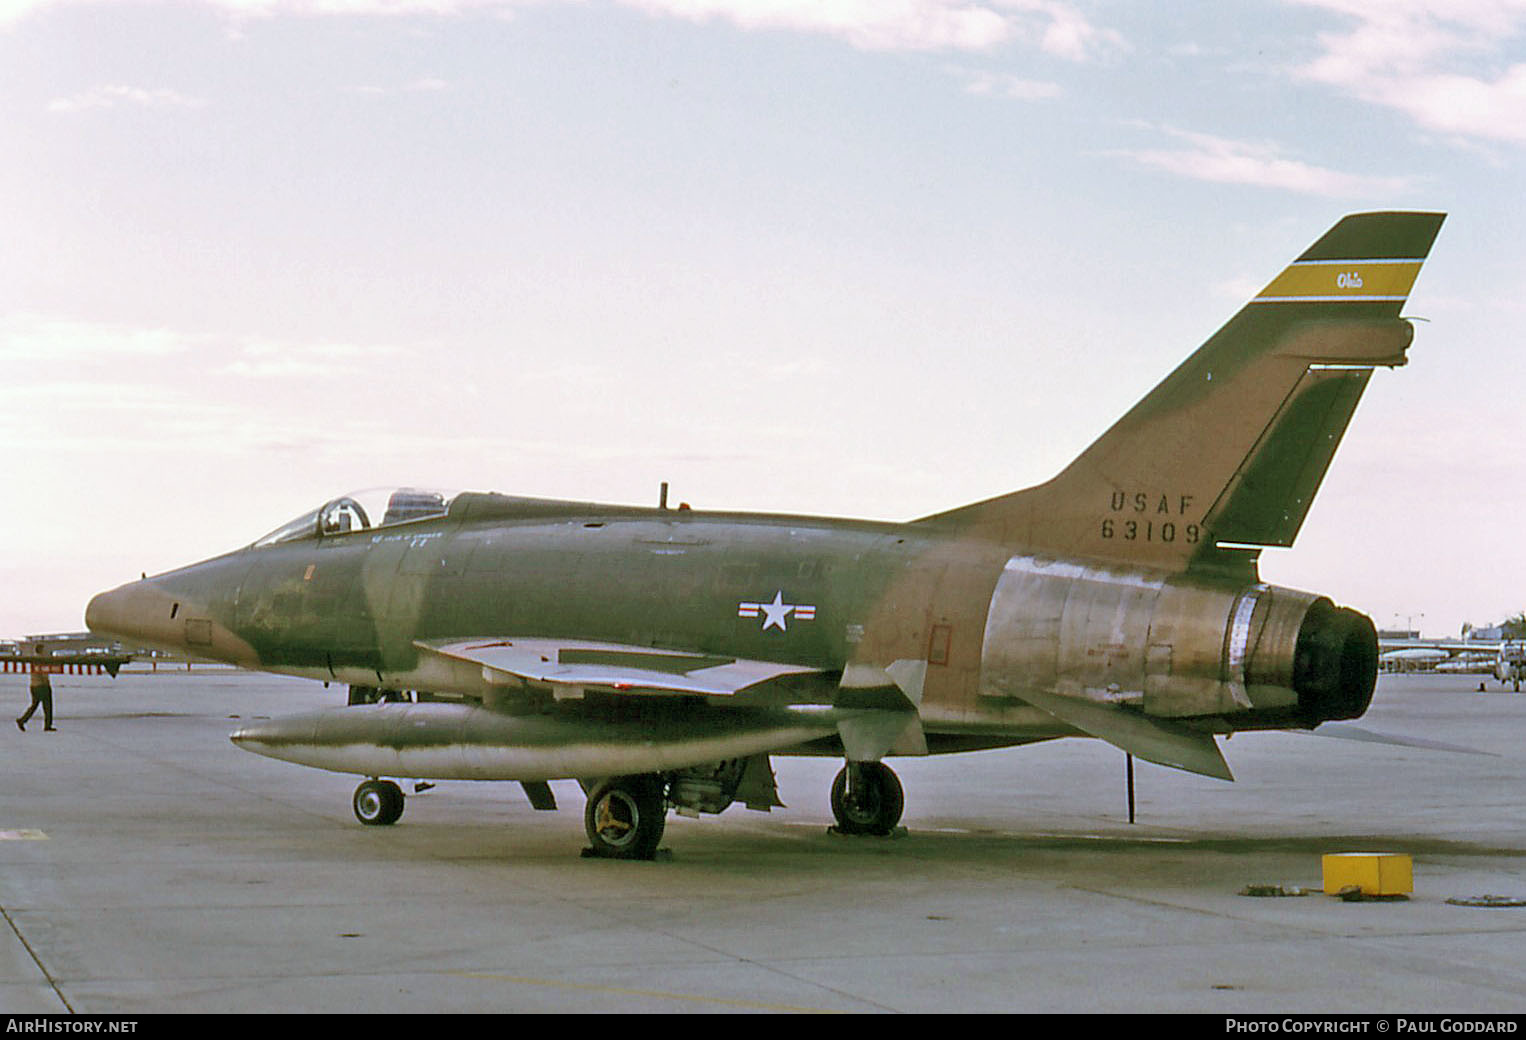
[356, 607]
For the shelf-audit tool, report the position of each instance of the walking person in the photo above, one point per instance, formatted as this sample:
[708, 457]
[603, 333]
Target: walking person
[42, 691]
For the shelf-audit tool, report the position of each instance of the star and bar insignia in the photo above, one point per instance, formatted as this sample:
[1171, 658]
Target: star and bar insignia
[776, 614]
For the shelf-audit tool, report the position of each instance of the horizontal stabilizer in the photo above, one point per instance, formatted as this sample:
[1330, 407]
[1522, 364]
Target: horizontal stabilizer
[1154, 740]
[567, 665]
[1343, 731]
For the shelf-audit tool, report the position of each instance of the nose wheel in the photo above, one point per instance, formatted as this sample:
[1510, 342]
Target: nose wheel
[867, 799]
[378, 803]
[625, 817]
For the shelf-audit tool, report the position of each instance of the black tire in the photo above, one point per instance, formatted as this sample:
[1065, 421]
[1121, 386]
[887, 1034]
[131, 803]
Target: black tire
[876, 801]
[625, 817]
[378, 803]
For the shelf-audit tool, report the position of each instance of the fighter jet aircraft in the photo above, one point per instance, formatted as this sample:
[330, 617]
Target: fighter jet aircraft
[660, 656]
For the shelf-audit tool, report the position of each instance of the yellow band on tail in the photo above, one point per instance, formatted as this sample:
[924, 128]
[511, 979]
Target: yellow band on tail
[1336, 281]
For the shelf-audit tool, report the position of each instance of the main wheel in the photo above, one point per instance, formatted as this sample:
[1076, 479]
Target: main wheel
[378, 803]
[625, 817]
[867, 799]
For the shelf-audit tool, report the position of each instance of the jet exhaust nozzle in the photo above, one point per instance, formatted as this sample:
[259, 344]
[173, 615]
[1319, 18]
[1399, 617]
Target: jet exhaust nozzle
[1335, 662]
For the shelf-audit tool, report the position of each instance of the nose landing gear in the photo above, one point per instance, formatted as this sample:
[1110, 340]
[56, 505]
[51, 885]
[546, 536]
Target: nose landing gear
[378, 803]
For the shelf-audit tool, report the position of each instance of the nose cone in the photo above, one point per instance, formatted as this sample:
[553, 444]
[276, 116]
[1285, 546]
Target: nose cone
[138, 611]
[164, 614]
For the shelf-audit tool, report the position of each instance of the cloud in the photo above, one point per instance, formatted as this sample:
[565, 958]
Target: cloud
[271, 359]
[37, 345]
[866, 24]
[1057, 27]
[750, 370]
[992, 84]
[1262, 164]
[1069, 34]
[38, 337]
[81, 389]
[422, 85]
[1440, 62]
[15, 10]
[112, 96]
[365, 8]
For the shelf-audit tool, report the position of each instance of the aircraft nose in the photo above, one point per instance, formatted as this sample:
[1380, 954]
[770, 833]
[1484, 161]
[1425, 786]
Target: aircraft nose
[129, 611]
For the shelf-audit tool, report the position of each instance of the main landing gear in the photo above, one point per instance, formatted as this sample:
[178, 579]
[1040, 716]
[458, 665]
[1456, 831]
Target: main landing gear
[867, 799]
[625, 817]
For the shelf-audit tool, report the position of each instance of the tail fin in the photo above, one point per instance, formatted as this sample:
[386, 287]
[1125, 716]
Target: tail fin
[1231, 447]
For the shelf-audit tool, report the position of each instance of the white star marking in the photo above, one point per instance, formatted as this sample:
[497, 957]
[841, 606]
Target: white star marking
[776, 612]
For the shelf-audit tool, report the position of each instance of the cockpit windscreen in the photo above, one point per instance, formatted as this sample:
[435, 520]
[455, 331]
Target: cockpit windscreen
[363, 511]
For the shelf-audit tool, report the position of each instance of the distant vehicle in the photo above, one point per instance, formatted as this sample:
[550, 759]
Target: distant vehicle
[1511, 663]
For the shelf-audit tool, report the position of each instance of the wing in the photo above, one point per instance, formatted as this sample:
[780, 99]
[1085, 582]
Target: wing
[569, 666]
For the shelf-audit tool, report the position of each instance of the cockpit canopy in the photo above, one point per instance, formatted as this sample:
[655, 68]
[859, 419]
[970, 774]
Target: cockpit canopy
[363, 511]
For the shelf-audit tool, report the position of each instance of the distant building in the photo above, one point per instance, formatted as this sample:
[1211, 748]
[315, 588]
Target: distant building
[72, 642]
